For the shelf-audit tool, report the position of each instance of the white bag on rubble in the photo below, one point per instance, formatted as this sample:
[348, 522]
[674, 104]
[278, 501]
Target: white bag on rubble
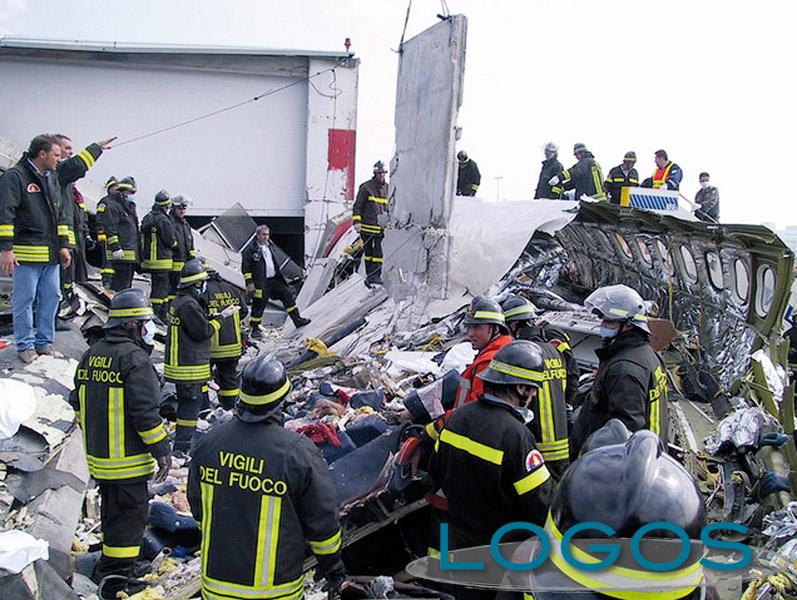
[17, 405]
[18, 549]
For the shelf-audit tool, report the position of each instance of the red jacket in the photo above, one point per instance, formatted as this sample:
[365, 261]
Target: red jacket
[471, 386]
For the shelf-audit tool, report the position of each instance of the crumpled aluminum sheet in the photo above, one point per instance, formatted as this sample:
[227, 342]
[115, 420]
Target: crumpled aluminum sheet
[740, 430]
[780, 525]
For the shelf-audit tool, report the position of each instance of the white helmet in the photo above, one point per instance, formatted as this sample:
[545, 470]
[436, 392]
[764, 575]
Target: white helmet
[619, 303]
[551, 147]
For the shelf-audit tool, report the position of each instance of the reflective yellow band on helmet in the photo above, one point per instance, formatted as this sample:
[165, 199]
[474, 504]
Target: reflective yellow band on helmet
[520, 310]
[267, 398]
[488, 314]
[201, 276]
[520, 372]
[141, 311]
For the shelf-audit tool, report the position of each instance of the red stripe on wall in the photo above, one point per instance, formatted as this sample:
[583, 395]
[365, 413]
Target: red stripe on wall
[340, 156]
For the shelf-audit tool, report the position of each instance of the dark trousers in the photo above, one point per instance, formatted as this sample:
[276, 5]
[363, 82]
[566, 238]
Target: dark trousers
[123, 511]
[159, 292]
[122, 276]
[174, 279]
[189, 401]
[225, 374]
[106, 269]
[279, 290]
[372, 255]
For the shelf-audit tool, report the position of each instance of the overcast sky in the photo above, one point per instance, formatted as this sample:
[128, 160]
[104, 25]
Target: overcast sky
[710, 81]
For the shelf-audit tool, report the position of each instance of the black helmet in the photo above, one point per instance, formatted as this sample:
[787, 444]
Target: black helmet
[131, 304]
[630, 156]
[517, 308]
[264, 384]
[162, 198]
[192, 272]
[619, 303]
[127, 184]
[484, 310]
[578, 148]
[379, 167]
[626, 485]
[517, 363]
[112, 182]
[462, 156]
[180, 201]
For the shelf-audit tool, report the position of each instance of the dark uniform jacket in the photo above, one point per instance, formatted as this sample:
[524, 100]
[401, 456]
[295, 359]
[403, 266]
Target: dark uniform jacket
[561, 341]
[490, 470]
[550, 167]
[68, 172]
[468, 178]
[617, 180]
[585, 177]
[254, 267]
[631, 385]
[226, 342]
[32, 221]
[708, 201]
[102, 204]
[187, 355]
[260, 493]
[183, 250]
[116, 399]
[157, 240]
[120, 224]
[369, 206]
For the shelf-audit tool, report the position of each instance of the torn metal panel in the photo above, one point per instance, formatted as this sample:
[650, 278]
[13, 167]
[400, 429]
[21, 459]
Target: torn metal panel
[423, 169]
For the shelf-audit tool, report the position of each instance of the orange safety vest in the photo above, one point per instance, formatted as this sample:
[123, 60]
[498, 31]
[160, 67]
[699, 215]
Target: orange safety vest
[661, 176]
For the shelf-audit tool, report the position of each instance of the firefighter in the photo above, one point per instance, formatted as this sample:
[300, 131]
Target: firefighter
[120, 225]
[184, 248]
[261, 493]
[623, 175]
[707, 200]
[187, 356]
[264, 280]
[487, 332]
[625, 482]
[550, 167]
[370, 218]
[585, 176]
[631, 382]
[106, 267]
[116, 400]
[225, 345]
[668, 175]
[468, 176]
[157, 244]
[486, 460]
[549, 406]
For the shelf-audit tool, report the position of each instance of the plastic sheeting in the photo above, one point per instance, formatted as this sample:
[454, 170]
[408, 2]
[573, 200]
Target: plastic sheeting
[741, 430]
[18, 549]
[17, 405]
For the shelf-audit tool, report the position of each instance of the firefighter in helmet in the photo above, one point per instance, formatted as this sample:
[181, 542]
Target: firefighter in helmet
[370, 214]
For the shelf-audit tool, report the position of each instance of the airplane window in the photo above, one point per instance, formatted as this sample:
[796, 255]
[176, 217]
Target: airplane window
[742, 277]
[604, 240]
[765, 290]
[715, 270]
[690, 268]
[666, 258]
[644, 251]
[624, 245]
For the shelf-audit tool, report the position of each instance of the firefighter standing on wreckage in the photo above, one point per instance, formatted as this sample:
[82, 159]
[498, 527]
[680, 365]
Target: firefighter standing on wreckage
[187, 355]
[631, 383]
[370, 215]
[259, 502]
[106, 268]
[157, 246]
[119, 222]
[116, 401]
[183, 249]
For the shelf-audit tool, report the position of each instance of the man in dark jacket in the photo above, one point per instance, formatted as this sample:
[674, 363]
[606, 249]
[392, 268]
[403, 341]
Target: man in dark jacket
[157, 244]
[116, 399]
[631, 384]
[33, 238]
[261, 494]
[183, 250]
[264, 280]
[370, 215]
[468, 176]
[187, 355]
[667, 176]
[550, 167]
[585, 176]
[225, 345]
[120, 224]
[106, 268]
[623, 175]
[707, 200]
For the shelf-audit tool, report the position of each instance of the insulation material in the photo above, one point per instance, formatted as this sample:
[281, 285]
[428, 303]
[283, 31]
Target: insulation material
[741, 430]
[18, 549]
[775, 374]
[17, 405]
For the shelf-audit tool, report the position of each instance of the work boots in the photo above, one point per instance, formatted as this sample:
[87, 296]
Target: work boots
[298, 320]
[255, 333]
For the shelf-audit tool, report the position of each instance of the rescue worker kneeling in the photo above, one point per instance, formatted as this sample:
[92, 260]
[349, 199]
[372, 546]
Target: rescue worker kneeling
[116, 399]
[486, 460]
[187, 357]
[261, 493]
